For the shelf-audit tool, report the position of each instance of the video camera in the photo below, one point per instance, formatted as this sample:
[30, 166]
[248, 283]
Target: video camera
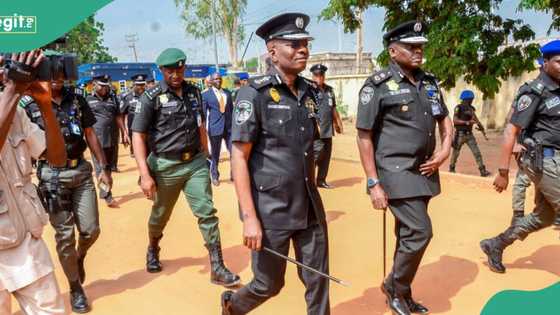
[53, 66]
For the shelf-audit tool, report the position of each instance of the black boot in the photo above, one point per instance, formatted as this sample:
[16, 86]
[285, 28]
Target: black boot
[415, 307]
[78, 298]
[153, 264]
[324, 184]
[396, 303]
[226, 303]
[81, 269]
[494, 249]
[556, 222]
[220, 274]
[451, 169]
[484, 172]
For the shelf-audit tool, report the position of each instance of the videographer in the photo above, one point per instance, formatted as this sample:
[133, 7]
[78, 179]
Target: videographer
[26, 269]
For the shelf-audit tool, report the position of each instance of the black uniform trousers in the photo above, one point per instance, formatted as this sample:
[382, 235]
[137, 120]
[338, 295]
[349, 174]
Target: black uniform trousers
[311, 248]
[215, 150]
[413, 229]
[109, 157]
[322, 149]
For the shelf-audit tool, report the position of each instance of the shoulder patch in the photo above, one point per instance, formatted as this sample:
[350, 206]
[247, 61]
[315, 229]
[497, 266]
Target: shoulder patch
[366, 94]
[25, 100]
[536, 86]
[242, 112]
[262, 81]
[153, 92]
[523, 102]
[381, 76]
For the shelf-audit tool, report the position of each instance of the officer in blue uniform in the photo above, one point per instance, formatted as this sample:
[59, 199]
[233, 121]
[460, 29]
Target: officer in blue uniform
[130, 100]
[274, 126]
[400, 107]
[536, 113]
[69, 192]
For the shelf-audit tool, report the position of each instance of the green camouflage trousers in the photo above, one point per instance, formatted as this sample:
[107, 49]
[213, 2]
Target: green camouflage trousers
[193, 179]
[470, 140]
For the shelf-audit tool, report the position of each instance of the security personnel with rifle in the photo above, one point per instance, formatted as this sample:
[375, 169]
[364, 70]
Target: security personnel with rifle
[399, 109]
[463, 120]
[169, 117]
[537, 113]
[274, 126]
[69, 192]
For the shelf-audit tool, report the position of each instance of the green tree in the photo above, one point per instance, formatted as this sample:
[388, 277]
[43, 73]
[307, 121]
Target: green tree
[196, 16]
[86, 40]
[548, 6]
[252, 64]
[466, 38]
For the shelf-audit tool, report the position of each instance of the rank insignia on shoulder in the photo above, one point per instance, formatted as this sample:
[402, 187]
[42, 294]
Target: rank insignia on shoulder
[25, 100]
[523, 102]
[392, 85]
[163, 99]
[274, 94]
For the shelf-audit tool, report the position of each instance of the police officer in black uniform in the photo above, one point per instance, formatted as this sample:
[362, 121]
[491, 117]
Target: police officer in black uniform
[399, 109]
[107, 115]
[130, 101]
[329, 121]
[69, 192]
[537, 115]
[274, 126]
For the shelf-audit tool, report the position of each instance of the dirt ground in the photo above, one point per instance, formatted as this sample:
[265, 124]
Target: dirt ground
[453, 278]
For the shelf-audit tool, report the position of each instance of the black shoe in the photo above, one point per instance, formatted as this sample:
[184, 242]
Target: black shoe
[494, 252]
[452, 169]
[484, 172]
[81, 269]
[397, 304]
[324, 185]
[78, 298]
[153, 264]
[556, 222]
[220, 274]
[415, 307]
[226, 303]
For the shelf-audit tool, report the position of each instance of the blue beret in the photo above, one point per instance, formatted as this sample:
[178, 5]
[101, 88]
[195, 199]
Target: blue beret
[552, 48]
[467, 95]
[243, 76]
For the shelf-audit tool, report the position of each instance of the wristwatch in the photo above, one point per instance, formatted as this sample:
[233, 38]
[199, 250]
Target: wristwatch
[371, 182]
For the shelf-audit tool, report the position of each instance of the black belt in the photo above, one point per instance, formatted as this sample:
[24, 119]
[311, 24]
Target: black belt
[70, 163]
[464, 132]
[179, 156]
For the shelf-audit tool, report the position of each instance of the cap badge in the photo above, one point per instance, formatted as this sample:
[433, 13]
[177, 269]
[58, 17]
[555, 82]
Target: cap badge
[418, 27]
[299, 22]
[275, 95]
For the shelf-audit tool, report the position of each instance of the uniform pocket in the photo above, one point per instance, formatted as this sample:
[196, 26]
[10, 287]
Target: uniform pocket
[400, 106]
[278, 119]
[35, 214]
[12, 229]
[21, 154]
[265, 183]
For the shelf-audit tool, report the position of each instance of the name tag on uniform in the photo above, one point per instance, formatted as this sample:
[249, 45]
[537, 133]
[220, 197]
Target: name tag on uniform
[36, 114]
[552, 102]
[399, 92]
[169, 104]
[278, 106]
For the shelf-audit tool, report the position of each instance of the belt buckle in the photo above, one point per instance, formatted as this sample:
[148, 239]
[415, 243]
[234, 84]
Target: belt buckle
[186, 156]
[73, 163]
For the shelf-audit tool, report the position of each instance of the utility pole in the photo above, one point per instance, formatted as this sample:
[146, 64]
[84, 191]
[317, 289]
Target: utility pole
[340, 36]
[359, 41]
[131, 40]
[213, 17]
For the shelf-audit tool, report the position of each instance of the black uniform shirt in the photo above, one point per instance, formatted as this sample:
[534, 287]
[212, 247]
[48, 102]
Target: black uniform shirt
[73, 115]
[326, 102]
[466, 113]
[171, 122]
[403, 118]
[282, 128]
[106, 112]
[129, 105]
[537, 110]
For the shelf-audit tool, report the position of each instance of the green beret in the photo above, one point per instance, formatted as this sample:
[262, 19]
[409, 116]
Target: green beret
[171, 57]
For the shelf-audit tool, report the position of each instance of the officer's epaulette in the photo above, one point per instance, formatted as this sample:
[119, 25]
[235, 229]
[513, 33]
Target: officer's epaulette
[537, 86]
[381, 76]
[25, 100]
[262, 81]
[153, 92]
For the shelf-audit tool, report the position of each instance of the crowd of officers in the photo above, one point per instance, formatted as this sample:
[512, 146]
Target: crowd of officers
[279, 134]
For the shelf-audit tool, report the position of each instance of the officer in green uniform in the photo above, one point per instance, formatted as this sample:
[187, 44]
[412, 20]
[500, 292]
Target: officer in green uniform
[329, 121]
[107, 115]
[463, 120]
[169, 117]
[273, 130]
[537, 113]
[69, 192]
[399, 109]
[130, 101]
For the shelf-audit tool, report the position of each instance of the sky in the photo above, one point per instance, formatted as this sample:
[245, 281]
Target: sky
[159, 26]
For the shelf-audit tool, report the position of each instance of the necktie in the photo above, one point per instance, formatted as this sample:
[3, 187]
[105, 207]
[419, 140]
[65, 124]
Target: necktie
[221, 101]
